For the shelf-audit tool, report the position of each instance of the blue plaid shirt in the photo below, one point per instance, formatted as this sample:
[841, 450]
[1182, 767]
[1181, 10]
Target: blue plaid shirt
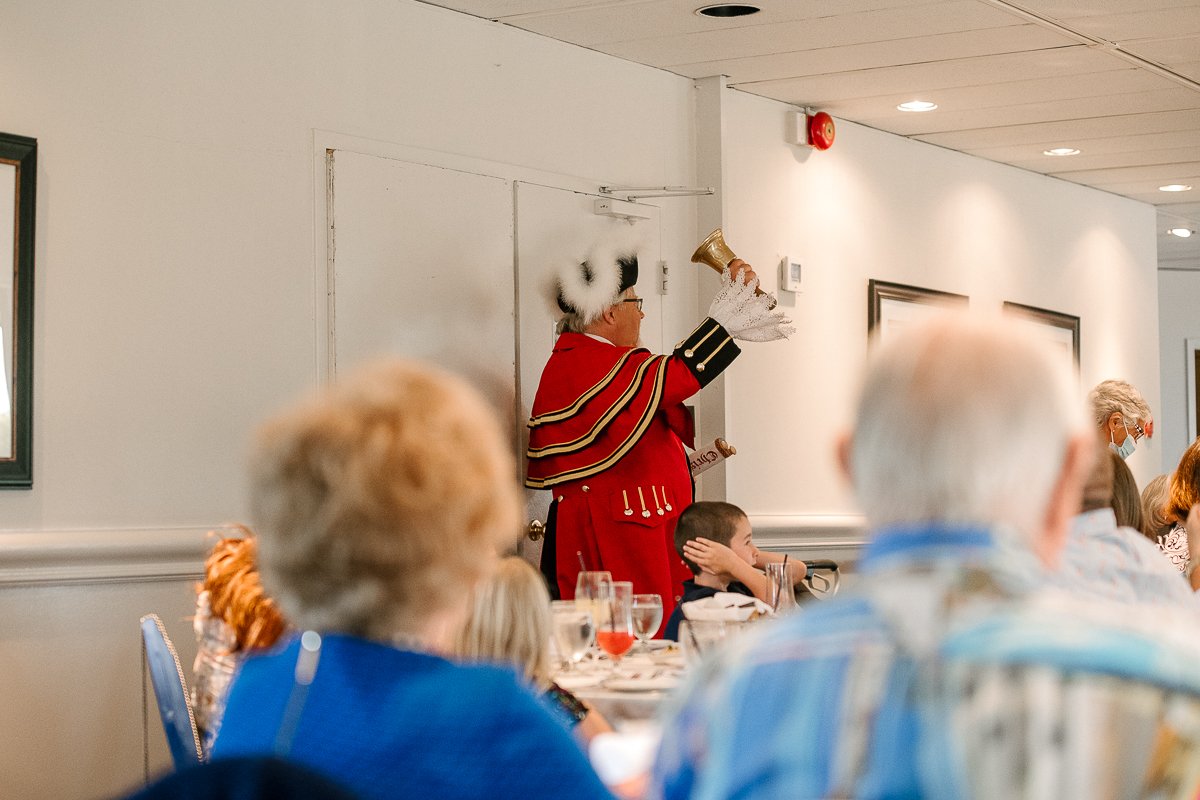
[827, 703]
[818, 704]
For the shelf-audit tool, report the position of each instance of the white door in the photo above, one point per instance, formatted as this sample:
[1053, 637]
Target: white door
[421, 266]
[552, 225]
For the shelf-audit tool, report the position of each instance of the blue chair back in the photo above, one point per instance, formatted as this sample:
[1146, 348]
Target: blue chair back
[170, 690]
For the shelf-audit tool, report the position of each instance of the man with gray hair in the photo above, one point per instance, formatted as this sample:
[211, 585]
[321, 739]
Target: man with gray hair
[968, 456]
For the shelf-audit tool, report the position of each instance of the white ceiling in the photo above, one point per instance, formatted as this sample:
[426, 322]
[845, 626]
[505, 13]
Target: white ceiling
[1117, 79]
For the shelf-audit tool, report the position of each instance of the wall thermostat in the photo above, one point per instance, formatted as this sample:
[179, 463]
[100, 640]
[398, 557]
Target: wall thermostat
[789, 275]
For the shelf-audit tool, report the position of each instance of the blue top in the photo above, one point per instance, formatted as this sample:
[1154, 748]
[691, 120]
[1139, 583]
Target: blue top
[391, 723]
[848, 697]
[1121, 564]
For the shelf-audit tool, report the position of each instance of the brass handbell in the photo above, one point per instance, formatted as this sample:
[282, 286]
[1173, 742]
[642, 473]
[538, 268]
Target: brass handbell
[715, 253]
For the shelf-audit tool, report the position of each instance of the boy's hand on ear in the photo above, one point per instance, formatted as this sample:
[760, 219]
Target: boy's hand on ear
[712, 557]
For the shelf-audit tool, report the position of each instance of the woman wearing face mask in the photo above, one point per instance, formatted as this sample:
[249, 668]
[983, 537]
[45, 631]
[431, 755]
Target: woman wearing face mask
[1122, 416]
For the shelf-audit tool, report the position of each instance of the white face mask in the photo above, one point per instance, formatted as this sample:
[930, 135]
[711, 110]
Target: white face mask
[1124, 449]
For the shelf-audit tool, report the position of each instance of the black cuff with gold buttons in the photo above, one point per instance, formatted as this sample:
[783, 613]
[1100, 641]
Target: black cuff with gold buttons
[707, 351]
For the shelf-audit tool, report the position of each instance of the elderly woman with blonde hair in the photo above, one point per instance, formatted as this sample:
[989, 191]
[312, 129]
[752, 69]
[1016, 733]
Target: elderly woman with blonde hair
[1155, 522]
[510, 624]
[379, 504]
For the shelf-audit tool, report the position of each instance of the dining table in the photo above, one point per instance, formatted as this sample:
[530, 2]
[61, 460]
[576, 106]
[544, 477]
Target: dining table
[631, 692]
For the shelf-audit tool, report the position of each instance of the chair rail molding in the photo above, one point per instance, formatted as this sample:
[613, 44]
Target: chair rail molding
[837, 536]
[102, 556]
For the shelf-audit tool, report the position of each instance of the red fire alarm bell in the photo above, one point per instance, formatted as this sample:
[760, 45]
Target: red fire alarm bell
[820, 131]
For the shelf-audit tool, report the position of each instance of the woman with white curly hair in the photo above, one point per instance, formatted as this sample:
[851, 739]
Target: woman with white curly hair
[379, 504]
[1122, 415]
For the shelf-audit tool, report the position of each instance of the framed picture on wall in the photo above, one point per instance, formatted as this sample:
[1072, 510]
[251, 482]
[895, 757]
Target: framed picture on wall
[1059, 330]
[893, 306]
[1193, 388]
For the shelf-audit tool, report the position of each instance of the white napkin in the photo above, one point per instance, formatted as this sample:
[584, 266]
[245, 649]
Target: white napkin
[620, 757]
[725, 607]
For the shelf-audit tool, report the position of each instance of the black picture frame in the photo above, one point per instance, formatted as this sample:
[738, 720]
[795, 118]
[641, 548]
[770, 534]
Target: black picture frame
[1055, 324]
[16, 470]
[883, 295]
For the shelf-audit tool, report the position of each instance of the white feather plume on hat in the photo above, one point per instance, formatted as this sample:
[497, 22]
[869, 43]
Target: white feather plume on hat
[592, 283]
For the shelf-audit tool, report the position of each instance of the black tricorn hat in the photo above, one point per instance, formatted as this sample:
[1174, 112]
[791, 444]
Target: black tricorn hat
[595, 284]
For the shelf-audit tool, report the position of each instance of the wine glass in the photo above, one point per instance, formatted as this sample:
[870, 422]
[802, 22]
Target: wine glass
[590, 588]
[614, 621]
[573, 630]
[647, 617]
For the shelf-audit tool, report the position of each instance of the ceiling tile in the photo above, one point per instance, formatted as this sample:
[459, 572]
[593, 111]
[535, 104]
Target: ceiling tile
[925, 78]
[499, 9]
[1070, 130]
[1169, 52]
[833, 31]
[1099, 144]
[1046, 109]
[1073, 9]
[1139, 23]
[871, 55]
[1088, 159]
[1158, 174]
[879, 111]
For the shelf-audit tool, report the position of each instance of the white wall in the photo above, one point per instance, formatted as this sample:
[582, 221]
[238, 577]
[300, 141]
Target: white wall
[878, 206]
[177, 255]
[1178, 321]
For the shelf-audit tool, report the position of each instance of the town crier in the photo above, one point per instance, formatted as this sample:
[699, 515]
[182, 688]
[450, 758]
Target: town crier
[608, 424]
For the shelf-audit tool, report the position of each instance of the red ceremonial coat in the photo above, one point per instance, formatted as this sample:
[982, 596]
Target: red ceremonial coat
[607, 438]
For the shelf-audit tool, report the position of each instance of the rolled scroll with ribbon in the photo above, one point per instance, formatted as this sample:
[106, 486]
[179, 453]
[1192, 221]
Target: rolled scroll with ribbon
[710, 456]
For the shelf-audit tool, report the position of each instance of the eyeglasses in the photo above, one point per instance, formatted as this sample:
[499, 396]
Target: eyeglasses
[637, 300]
[1139, 432]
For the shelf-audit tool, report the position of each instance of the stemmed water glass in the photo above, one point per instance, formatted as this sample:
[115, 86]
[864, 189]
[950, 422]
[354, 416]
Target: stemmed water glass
[590, 588]
[614, 620]
[573, 630]
[647, 618]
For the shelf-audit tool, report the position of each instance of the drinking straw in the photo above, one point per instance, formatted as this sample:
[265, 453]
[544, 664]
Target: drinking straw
[582, 565]
[782, 577]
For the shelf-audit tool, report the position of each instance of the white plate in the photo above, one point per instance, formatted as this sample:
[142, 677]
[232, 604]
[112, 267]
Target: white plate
[572, 681]
[660, 683]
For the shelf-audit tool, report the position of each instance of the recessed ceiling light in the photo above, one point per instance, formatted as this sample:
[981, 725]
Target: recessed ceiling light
[728, 10]
[1182, 233]
[917, 105]
[1061, 151]
[1175, 187]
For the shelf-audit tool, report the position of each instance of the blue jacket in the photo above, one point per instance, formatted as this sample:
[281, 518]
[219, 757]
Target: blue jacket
[390, 723]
